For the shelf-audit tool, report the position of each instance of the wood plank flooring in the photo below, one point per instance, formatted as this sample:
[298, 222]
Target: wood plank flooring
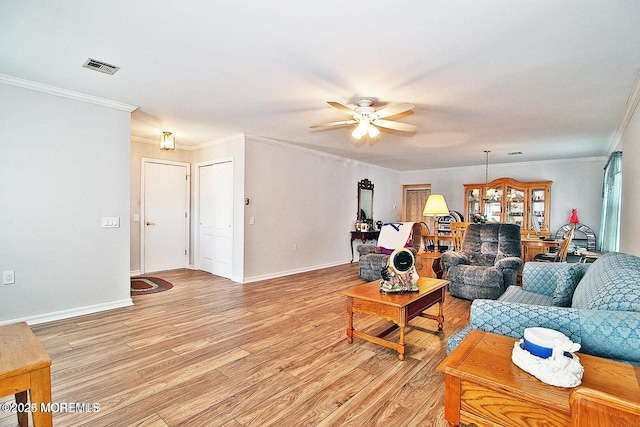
[210, 352]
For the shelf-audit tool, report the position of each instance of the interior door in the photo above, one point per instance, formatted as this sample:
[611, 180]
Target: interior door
[165, 222]
[414, 197]
[215, 218]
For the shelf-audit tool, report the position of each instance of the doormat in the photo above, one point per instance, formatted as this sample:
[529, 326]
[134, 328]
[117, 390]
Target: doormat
[148, 285]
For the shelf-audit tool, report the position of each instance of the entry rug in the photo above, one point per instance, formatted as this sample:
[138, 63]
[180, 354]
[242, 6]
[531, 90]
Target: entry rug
[148, 285]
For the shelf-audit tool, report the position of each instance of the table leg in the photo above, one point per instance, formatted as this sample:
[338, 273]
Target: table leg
[452, 400]
[350, 320]
[40, 392]
[23, 417]
[402, 346]
[352, 249]
[440, 317]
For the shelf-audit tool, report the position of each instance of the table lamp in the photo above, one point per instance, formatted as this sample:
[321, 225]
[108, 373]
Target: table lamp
[435, 206]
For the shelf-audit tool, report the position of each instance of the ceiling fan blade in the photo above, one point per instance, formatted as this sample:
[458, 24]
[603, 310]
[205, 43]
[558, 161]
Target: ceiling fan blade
[392, 110]
[340, 123]
[390, 124]
[343, 109]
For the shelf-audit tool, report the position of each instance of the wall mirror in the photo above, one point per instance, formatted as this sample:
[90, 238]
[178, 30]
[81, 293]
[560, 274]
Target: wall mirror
[365, 201]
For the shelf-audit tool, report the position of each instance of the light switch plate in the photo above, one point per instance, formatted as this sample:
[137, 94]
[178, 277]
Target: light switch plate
[110, 221]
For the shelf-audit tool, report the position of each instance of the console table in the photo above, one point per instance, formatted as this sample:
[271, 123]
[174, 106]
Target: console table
[484, 387]
[363, 236]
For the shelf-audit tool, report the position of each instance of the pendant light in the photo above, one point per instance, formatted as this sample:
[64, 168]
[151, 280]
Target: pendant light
[167, 141]
[487, 196]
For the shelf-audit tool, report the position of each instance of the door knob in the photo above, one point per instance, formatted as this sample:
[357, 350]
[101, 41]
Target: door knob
[150, 223]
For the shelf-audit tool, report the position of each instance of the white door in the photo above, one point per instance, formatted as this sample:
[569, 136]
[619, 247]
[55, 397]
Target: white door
[215, 218]
[165, 221]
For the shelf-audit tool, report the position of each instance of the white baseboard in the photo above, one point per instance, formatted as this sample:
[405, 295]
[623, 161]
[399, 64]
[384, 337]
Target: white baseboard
[65, 314]
[133, 273]
[290, 272]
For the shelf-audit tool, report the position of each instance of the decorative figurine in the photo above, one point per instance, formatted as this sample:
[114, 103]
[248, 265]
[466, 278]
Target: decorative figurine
[562, 368]
[400, 274]
[574, 216]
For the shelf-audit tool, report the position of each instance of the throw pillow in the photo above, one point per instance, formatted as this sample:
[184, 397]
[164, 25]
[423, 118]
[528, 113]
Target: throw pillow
[566, 283]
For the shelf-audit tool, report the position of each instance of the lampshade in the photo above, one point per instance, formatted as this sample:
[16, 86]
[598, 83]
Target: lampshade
[167, 141]
[436, 205]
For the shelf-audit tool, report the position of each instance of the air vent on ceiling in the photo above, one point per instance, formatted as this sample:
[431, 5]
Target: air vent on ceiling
[103, 67]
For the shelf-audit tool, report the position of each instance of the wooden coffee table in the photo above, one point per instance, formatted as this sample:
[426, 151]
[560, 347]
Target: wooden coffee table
[398, 308]
[484, 387]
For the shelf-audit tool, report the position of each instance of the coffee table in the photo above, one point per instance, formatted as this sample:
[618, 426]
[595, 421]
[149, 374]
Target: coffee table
[484, 387]
[398, 308]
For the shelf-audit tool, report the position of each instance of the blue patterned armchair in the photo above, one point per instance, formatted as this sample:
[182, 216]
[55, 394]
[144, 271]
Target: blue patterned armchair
[596, 305]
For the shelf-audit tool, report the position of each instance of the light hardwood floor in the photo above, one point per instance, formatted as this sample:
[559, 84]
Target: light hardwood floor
[210, 352]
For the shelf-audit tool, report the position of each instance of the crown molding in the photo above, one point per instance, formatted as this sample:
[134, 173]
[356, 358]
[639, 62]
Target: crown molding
[529, 163]
[51, 90]
[292, 146]
[629, 111]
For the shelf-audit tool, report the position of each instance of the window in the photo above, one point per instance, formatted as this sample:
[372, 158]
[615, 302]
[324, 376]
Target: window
[611, 202]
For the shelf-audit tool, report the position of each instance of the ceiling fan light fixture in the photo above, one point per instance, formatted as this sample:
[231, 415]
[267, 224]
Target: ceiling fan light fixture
[361, 130]
[373, 131]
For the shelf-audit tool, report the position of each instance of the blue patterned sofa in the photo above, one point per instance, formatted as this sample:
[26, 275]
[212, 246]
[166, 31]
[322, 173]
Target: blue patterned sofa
[596, 305]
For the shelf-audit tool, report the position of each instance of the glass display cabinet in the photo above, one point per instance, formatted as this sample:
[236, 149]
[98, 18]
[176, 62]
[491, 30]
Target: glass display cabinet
[509, 201]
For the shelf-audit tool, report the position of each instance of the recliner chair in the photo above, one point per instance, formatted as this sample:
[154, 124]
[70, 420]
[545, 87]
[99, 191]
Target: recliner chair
[488, 261]
[372, 260]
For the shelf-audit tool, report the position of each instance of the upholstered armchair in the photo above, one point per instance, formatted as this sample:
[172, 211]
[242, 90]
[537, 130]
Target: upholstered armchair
[374, 258]
[487, 263]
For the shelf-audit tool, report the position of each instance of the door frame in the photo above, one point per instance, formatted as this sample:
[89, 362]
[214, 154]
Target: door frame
[143, 162]
[196, 208]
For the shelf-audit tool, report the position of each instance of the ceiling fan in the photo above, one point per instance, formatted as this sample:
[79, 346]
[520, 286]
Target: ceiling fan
[368, 118]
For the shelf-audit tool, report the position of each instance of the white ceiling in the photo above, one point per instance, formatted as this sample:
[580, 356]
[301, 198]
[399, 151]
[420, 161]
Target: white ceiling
[547, 78]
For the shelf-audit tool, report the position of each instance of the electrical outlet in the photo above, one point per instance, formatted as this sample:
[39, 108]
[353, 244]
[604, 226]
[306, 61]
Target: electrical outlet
[295, 247]
[9, 277]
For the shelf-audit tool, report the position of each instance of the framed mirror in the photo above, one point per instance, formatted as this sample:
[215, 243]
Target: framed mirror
[365, 201]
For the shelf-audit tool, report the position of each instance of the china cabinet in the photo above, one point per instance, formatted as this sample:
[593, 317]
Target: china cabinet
[509, 201]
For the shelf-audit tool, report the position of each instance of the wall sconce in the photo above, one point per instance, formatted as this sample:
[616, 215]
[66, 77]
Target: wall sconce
[435, 206]
[167, 141]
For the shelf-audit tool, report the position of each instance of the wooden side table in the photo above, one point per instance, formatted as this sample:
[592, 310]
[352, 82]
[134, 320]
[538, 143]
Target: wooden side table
[483, 386]
[25, 366]
[431, 265]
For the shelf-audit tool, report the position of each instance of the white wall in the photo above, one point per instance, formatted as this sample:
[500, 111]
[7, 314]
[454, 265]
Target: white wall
[65, 165]
[577, 183]
[304, 198]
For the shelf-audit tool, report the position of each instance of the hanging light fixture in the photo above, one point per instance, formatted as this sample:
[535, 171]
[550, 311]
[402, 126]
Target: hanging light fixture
[488, 194]
[365, 127]
[167, 141]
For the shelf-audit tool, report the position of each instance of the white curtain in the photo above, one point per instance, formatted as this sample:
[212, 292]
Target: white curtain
[611, 204]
